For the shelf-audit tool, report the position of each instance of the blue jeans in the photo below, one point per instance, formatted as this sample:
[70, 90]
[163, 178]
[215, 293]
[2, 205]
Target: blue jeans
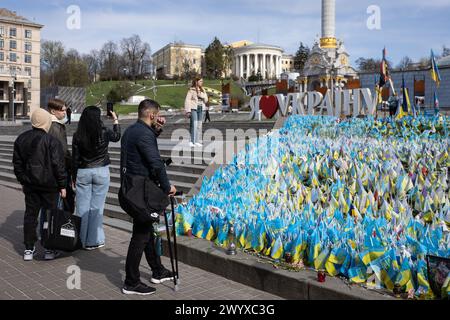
[196, 124]
[92, 187]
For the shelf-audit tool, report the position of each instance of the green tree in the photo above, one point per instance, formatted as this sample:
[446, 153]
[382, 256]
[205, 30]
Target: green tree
[120, 92]
[214, 59]
[301, 57]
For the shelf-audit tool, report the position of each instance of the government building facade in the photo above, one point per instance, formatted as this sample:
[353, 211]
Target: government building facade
[249, 59]
[20, 47]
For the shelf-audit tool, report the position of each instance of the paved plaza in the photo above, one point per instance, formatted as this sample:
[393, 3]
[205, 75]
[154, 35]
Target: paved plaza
[102, 271]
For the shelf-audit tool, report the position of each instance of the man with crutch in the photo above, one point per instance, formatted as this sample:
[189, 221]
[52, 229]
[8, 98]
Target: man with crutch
[140, 157]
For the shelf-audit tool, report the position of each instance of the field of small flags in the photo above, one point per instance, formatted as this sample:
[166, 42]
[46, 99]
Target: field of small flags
[357, 198]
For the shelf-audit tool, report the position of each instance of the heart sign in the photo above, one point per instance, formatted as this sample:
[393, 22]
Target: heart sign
[268, 106]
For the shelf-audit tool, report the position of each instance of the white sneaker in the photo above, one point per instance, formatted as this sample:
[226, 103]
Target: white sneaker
[28, 254]
[198, 144]
[192, 145]
[51, 254]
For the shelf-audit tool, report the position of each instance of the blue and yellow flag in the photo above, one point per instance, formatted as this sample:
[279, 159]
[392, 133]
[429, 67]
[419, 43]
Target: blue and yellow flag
[277, 249]
[405, 109]
[404, 277]
[435, 74]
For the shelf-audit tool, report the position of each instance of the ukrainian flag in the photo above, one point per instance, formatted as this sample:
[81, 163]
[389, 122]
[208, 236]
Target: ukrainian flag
[357, 274]
[435, 74]
[208, 232]
[404, 110]
[314, 247]
[242, 236]
[198, 226]
[335, 261]
[422, 278]
[319, 262]
[372, 254]
[258, 238]
[299, 247]
[277, 249]
[404, 278]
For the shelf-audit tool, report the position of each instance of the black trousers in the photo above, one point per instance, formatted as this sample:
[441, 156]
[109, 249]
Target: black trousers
[207, 117]
[34, 201]
[142, 241]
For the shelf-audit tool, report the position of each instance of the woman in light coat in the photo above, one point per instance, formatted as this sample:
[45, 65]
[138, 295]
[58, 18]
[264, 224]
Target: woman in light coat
[194, 105]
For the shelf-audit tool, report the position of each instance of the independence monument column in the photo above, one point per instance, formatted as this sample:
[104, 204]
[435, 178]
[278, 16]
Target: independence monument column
[328, 39]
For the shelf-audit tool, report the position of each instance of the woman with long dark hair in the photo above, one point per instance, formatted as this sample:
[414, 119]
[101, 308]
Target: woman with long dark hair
[91, 173]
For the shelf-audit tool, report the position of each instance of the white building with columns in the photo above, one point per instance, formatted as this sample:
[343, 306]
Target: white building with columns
[253, 58]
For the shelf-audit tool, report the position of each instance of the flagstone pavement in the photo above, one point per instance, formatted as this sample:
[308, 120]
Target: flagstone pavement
[101, 272]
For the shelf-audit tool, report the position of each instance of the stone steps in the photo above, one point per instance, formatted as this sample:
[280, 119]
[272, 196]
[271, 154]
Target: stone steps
[187, 167]
[181, 175]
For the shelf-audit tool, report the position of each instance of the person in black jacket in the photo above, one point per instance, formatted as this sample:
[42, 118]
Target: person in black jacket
[143, 159]
[39, 167]
[90, 170]
[57, 108]
[69, 115]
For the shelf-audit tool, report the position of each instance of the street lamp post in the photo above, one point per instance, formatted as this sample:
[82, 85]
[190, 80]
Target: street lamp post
[13, 90]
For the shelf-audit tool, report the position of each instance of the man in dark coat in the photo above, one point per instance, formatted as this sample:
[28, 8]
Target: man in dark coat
[39, 166]
[69, 115]
[143, 159]
[57, 109]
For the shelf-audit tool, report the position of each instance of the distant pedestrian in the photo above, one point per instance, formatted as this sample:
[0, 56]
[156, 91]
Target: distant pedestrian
[194, 105]
[393, 103]
[207, 117]
[69, 115]
[39, 167]
[91, 173]
[57, 109]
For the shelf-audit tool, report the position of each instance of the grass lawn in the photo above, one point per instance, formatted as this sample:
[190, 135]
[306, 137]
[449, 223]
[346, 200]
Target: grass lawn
[172, 96]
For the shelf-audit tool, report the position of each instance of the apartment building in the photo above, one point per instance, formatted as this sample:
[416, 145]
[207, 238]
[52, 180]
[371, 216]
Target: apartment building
[175, 59]
[20, 46]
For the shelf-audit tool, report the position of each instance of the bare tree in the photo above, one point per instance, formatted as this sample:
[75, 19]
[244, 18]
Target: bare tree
[109, 58]
[445, 51]
[135, 51]
[52, 54]
[73, 71]
[92, 61]
[406, 63]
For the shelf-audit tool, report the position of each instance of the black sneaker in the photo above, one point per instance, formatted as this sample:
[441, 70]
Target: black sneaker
[141, 289]
[161, 276]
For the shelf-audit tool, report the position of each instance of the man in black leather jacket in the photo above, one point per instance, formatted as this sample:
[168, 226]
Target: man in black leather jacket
[143, 159]
[39, 166]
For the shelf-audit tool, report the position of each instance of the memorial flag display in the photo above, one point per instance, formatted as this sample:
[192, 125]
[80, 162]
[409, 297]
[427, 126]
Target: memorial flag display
[357, 198]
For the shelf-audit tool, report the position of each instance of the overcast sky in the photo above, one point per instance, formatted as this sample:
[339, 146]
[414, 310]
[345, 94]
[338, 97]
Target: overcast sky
[408, 27]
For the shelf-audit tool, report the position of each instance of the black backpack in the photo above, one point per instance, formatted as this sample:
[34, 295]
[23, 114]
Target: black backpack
[139, 196]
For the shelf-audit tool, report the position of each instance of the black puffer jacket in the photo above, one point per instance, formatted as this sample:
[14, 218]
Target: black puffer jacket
[96, 157]
[39, 161]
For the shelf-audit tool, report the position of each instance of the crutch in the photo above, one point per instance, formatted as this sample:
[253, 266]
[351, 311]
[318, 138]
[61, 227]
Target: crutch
[177, 277]
[170, 248]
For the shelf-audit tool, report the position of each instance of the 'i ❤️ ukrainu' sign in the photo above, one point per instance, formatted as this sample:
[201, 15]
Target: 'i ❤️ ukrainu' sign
[344, 102]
